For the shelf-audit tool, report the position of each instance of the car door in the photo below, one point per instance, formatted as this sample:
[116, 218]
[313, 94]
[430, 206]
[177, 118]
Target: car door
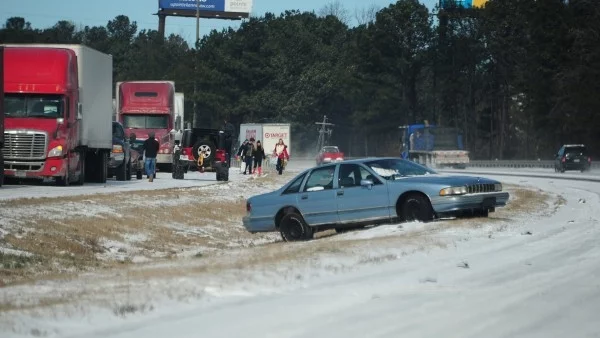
[317, 200]
[357, 203]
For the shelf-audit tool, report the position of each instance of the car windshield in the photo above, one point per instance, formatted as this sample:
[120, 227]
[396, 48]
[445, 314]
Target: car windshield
[146, 121]
[330, 149]
[391, 169]
[45, 106]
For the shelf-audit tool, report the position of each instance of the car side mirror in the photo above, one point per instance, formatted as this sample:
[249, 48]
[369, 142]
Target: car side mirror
[367, 183]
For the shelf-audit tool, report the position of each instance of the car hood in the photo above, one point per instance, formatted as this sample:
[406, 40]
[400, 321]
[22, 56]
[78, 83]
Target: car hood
[454, 180]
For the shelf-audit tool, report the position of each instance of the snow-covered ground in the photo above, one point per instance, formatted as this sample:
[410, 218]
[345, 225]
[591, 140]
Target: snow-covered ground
[531, 275]
[162, 181]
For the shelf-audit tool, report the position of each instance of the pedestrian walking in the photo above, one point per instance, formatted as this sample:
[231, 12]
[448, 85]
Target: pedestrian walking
[259, 156]
[248, 156]
[241, 154]
[280, 152]
[150, 148]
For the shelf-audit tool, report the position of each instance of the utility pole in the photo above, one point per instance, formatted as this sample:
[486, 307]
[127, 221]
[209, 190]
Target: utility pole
[195, 118]
[323, 131]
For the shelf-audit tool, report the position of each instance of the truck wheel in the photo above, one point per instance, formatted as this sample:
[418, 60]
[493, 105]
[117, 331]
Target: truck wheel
[1, 168]
[103, 167]
[63, 181]
[121, 172]
[293, 228]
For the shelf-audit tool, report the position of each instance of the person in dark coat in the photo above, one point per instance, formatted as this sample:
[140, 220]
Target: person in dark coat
[259, 156]
[229, 131]
[150, 148]
[249, 155]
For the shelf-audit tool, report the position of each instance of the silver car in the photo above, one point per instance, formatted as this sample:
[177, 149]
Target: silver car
[356, 193]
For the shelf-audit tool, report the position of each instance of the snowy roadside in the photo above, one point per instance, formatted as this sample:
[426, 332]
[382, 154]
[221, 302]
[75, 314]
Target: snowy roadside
[135, 291]
[53, 237]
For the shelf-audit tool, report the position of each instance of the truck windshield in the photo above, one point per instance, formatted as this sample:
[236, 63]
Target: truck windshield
[146, 121]
[19, 105]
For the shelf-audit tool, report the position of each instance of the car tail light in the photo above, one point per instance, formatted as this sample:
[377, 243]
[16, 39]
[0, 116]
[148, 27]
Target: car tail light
[589, 160]
[184, 151]
[564, 159]
[220, 155]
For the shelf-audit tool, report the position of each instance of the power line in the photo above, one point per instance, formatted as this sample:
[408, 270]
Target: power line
[324, 131]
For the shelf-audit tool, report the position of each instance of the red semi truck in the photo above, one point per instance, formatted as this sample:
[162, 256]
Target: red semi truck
[149, 106]
[57, 111]
[1, 114]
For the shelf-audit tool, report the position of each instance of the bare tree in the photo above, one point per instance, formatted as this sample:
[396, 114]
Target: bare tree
[366, 15]
[337, 9]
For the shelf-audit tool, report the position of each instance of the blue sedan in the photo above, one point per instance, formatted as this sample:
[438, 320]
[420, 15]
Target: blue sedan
[352, 194]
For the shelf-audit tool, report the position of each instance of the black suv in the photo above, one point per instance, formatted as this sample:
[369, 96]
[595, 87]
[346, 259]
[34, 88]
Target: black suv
[203, 150]
[572, 157]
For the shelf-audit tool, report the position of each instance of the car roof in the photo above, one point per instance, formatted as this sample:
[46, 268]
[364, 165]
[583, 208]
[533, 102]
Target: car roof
[365, 159]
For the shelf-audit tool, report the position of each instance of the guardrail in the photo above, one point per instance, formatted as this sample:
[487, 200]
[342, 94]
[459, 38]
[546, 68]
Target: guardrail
[549, 164]
[518, 164]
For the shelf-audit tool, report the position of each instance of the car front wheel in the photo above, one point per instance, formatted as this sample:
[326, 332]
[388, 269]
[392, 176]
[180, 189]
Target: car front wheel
[416, 207]
[293, 228]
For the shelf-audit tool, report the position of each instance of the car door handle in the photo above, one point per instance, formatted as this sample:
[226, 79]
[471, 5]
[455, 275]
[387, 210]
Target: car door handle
[304, 197]
[340, 192]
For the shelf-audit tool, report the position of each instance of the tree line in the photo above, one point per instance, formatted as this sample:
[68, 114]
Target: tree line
[518, 77]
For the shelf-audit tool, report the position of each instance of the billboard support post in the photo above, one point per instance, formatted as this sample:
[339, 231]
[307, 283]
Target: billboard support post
[195, 116]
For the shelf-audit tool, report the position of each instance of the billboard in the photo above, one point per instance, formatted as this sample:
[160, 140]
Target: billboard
[224, 9]
[462, 3]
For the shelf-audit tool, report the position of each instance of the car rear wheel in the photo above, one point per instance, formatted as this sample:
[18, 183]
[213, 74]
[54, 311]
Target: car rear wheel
[416, 207]
[293, 228]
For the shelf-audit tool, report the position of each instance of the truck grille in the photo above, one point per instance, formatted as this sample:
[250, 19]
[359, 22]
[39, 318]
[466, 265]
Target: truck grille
[480, 188]
[24, 145]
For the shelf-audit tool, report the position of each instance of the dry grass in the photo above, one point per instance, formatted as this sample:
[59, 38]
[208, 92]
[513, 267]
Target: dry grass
[72, 244]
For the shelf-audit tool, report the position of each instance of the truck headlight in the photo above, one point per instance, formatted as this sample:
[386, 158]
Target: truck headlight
[498, 187]
[453, 191]
[56, 151]
[117, 148]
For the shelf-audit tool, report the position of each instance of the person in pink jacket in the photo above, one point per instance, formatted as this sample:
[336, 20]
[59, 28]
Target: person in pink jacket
[282, 155]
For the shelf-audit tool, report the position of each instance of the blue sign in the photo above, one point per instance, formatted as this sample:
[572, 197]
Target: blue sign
[191, 5]
[457, 3]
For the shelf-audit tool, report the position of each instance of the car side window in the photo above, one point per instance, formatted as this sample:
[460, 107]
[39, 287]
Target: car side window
[351, 174]
[320, 179]
[295, 186]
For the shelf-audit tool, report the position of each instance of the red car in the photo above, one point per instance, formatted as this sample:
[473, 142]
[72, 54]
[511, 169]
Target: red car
[329, 154]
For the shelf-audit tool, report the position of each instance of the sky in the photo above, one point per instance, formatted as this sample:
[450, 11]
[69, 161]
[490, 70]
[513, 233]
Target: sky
[45, 13]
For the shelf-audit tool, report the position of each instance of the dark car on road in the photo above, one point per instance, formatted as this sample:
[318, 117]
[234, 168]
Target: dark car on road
[120, 156]
[572, 157]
